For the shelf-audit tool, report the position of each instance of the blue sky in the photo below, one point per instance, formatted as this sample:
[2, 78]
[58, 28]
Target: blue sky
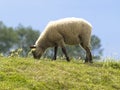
[104, 15]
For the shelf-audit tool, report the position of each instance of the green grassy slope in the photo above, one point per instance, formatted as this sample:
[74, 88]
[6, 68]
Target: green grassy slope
[30, 74]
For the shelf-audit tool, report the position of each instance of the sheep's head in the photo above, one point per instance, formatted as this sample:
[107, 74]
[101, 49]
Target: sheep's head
[37, 51]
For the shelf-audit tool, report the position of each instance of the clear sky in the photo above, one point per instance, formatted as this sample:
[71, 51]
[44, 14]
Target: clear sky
[104, 15]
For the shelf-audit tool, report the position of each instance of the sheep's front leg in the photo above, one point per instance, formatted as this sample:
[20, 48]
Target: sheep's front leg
[62, 44]
[55, 52]
[64, 51]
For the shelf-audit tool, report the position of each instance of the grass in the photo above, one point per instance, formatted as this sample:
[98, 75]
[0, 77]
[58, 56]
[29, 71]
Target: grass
[29, 74]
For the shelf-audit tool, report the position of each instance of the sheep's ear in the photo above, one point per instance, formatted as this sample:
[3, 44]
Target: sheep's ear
[32, 46]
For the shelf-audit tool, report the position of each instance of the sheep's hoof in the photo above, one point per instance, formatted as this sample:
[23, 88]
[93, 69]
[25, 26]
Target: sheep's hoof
[88, 62]
[53, 58]
[68, 59]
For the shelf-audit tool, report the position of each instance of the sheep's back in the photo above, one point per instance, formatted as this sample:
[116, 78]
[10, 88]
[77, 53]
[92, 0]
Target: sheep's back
[69, 29]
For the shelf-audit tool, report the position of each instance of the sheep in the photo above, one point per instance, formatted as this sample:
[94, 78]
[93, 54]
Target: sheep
[70, 31]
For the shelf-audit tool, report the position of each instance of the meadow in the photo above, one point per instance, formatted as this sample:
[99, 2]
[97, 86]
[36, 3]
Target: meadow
[18, 73]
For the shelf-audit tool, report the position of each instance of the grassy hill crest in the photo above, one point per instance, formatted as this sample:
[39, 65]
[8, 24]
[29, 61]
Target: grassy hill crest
[29, 74]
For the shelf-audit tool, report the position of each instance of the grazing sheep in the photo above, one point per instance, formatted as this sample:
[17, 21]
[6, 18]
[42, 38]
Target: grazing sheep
[71, 31]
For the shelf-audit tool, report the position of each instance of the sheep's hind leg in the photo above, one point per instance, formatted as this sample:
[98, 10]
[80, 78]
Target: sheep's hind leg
[55, 52]
[88, 54]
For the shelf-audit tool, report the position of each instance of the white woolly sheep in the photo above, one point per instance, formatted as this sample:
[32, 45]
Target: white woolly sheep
[71, 31]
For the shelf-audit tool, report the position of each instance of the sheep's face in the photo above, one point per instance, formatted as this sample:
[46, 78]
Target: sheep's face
[37, 52]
